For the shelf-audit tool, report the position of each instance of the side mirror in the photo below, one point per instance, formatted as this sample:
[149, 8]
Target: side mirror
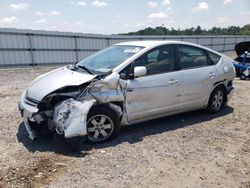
[140, 71]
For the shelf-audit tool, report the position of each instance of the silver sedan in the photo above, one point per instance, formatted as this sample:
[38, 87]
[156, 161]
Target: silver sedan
[125, 84]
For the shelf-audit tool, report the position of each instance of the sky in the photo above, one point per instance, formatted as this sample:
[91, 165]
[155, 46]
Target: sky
[121, 16]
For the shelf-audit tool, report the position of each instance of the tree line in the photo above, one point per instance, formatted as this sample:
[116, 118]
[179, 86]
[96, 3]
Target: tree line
[161, 30]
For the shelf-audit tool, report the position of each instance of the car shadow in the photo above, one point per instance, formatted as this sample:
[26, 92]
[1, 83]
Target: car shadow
[130, 134]
[54, 144]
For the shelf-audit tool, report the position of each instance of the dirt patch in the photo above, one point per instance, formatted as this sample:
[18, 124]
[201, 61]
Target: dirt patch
[36, 173]
[194, 149]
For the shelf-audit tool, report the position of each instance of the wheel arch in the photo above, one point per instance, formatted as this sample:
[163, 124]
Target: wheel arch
[112, 112]
[116, 107]
[221, 84]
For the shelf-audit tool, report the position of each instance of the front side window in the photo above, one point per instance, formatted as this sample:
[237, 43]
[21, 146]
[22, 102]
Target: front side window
[109, 58]
[160, 60]
[191, 57]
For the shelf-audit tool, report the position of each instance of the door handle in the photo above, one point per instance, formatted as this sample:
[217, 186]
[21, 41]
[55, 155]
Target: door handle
[211, 74]
[172, 82]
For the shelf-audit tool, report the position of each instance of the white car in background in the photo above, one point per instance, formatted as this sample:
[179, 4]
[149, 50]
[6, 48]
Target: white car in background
[125, 84]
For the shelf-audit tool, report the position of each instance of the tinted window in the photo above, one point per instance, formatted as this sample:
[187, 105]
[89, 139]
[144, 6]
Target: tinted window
[124, 73]
[160, 60]
[153, 56]
[214, 58]
[191, 57]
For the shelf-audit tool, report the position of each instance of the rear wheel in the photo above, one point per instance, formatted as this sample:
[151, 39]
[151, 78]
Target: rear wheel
[217, 100]
[243, 76]
[103, 124]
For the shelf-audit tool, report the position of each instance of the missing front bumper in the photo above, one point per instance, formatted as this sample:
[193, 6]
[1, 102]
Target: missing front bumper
[27, 112]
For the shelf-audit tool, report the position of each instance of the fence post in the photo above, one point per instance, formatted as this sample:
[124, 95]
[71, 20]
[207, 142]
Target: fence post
[76, 48]
[224, 44]
[108, 43]
[235, 42]
[31, 49]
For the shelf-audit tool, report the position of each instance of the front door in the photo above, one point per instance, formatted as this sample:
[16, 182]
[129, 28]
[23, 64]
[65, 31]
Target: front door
[157, 92]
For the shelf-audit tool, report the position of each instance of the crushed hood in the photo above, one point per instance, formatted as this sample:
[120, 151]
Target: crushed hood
[54, 80]
[241, 47]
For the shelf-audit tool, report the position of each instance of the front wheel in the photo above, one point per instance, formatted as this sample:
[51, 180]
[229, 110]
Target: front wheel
[103, 124]
[217, 100]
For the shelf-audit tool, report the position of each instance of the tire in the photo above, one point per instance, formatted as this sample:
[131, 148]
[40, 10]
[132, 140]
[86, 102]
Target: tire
[217, 100]
[103, 124]
[75, 143]
[243, 76]
[237, 71]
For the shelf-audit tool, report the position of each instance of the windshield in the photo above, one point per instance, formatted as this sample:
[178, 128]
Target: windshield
[109, 58]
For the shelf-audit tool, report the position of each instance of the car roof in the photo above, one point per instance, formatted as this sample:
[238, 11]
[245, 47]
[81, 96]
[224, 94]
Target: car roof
[149, 44]
[152, 43]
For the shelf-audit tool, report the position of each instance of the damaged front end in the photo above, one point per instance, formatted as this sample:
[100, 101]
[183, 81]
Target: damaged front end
[70, 117]
[65, 111]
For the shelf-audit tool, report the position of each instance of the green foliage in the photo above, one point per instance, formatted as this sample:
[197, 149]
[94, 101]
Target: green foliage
[160, 30]
[245, 30]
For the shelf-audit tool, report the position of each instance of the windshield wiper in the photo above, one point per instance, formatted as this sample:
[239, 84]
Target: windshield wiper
[85, 68]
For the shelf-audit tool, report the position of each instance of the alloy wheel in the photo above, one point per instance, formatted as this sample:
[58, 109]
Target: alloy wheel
[218, 100]
[100, 127]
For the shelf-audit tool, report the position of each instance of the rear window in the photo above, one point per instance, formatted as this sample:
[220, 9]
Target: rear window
[214, 58]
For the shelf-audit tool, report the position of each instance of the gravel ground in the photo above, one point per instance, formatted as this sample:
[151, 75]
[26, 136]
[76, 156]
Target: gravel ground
[188, 150]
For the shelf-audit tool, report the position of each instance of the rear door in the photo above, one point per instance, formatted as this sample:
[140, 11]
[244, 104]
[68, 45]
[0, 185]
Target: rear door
[196, 76]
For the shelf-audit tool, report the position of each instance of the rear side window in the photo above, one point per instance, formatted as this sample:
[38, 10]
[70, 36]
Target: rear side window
[191, 57]
[214, 58]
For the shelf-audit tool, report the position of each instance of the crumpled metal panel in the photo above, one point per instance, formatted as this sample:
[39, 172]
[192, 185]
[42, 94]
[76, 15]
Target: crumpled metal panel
[70, 117]
[57, 79]
[108, 89]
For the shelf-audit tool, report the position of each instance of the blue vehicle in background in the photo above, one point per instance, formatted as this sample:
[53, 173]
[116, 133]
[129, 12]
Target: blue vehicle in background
[242, 64]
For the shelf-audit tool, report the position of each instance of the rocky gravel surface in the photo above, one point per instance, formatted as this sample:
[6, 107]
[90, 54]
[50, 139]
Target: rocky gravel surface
[189, 150]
